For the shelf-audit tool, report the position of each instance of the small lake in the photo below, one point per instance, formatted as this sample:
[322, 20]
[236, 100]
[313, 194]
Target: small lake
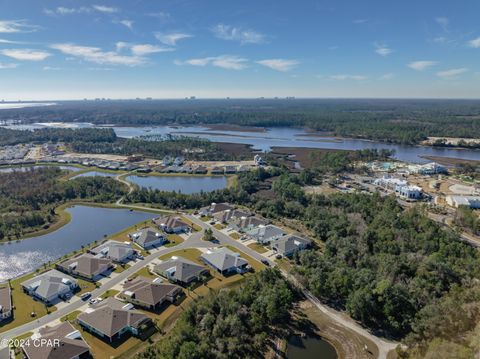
[310, 348]
[183, 184]
[87, 225]
[95, 173]
[26, 168]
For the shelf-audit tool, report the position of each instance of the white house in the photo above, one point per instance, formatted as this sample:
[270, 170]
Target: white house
[469, 201]
[50, 286]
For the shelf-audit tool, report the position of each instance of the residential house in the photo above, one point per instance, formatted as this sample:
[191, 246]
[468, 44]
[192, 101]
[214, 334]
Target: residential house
[150, 294]
[266, 234]
[286, 246]
[224, 261]
[111, 320]
[230, 214]
[50, 286]
[245, 224]
[147, 238]
[215, 208]
[200, 170]
[5, 302]
[86, 266]
[62, 341]
[217, 170]
[172, 224]
[181, 270]
[230, 169]
[119, 252]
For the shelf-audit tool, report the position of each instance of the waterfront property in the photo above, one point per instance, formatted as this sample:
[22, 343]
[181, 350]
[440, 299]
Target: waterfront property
[150, 294]
[111, 320]
[181, 270]
[215, 208]
[119, 252]
[86, 266]
[265, 234]
[224, 261]
[468, 201]
[245, 224]
[61, 341]
[427, 169]
[5, 302]
[287, 246]
[172, 224]
[147, 238]
[50, 286]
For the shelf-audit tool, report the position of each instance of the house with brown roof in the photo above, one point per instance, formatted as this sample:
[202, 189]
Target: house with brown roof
[172, 224]
[62, 341]
[150, 294]
[244, 224]
[181, 270]
[230, 214]
[147, 238]
[111, 320]
[5, 302]
[86, 266]
[215, 208]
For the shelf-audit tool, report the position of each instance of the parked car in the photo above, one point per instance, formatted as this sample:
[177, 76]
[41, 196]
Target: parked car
[86, 295]
[267, 263]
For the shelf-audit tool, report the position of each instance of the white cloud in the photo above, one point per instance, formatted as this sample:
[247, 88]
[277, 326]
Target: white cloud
[421, 65]
[452, 73]
[443, 21]
[227, 62]
[5, 41]
[382, 50]
[105, 9]
[142, 49]
[475, 43]
[279, 64]
[14, 26]
[25, 54]
[4, 66]
[227, 32]
[388, 76]
[343, 77]
[127, 23]
[50, 68]
[171, 39]
[360, 21]
[98, 56]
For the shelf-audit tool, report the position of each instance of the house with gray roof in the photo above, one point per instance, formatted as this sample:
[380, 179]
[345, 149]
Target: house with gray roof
[50, 286]
[215, 208]
[119, 252]
[66, 342]
[224, 261]
[5, 302]
[172, 224]
[230, 214]
[150, 294]
[245, 224]
[180, 270]
[147, 238]
[112, 322]
[266, 234]
[86, 266]
[288, 245]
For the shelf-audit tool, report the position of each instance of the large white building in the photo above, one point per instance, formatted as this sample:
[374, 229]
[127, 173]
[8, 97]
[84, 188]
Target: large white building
[431, 168]
[400, 187]
[469, 201]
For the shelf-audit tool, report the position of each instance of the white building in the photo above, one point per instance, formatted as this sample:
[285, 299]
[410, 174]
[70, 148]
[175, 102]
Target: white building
[400, 187]
[428, 169]
[469, 201]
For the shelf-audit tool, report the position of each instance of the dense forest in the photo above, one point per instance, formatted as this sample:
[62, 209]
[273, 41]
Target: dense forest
[28, 198]
[231, 324]
[398, 121]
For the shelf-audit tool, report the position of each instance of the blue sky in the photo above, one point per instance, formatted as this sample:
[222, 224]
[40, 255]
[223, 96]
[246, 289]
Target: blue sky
[249, 48]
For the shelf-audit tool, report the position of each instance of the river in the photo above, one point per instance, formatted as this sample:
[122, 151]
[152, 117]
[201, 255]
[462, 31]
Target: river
[277, 137]
[87, 225]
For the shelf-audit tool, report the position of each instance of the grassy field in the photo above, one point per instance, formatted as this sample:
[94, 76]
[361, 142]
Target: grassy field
[258, 247]
[85, 286]
[219, 226]
[234, 235]
[173, 240]
[70, 316]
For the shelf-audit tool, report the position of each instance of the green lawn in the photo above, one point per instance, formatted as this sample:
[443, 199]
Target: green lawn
[173, 240]
[258, 247]
[234, 235]
[219, 226]
[85, 286]
[70, 316]
[110, 293]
